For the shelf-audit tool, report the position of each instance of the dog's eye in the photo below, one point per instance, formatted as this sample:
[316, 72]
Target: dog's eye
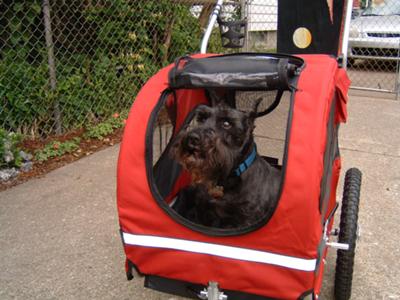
[226, 124]
[201, 117]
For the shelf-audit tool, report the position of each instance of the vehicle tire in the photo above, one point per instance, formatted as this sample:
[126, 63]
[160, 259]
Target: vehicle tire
[347, 234]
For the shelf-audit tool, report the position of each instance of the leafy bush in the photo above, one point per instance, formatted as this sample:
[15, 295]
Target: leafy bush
[92, 92]
[24, 96]
[99, 70]
[84, 94]
[56, 148]
[100, 131]
[107, 127]
[9, 151]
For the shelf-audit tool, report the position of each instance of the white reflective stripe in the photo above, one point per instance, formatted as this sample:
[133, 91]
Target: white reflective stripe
[221, 250]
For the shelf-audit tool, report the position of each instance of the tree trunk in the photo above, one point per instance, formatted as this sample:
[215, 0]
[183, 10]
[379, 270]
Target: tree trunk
[167, 41]
[205, 14]
[52, 64]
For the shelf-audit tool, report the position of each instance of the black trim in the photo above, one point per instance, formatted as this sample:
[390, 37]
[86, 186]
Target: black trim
[131, 265]
[273, 161]
[149, 162]
[198, 227]
[331, 152]
[129, 273]
[165, 183]
[191, 290]
[332, 213]
[307, 293]
[278, 72]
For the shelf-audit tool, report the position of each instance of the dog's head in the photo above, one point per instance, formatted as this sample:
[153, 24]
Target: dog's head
[213, 144]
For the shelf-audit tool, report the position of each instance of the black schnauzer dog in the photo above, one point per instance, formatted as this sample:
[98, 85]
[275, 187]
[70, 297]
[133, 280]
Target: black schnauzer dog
[232, 186]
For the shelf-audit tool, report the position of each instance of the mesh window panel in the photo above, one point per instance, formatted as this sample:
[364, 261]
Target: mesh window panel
[168, 178]
[246, 100]
[270, 132]
[162, 134]
[165, 169]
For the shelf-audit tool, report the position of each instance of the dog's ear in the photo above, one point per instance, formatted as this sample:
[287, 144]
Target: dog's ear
[254, 111]
[215, 99]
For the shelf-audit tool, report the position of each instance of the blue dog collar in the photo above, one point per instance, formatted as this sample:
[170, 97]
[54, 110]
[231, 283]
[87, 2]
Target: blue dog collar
[247, 162]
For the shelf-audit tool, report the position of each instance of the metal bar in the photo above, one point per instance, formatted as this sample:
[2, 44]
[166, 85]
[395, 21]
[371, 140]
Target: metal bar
[346, 30]
[244, 15]
[160, 137]
[52, 64]
[397, 83]
[339, 246]
[211, 23]
[370, 89]
[386, 58]
[263, 22]
[272, 10]
[212, 292]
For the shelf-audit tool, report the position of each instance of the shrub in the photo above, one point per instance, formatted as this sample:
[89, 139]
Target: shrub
[107, 127]
[56, 148]
[9, 151]
[98, 70]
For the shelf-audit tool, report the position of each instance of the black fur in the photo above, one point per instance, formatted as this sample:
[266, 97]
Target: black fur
[211, 147]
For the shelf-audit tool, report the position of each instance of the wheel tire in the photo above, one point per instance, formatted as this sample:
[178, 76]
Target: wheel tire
[347, 234]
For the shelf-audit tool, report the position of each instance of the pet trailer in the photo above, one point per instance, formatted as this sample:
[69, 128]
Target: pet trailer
[282, 256]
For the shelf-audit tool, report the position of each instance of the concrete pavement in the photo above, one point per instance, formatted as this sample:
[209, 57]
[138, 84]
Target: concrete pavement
[59, 234]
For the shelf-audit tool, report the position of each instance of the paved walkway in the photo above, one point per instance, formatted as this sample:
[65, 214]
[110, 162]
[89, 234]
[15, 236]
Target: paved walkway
[59, 234]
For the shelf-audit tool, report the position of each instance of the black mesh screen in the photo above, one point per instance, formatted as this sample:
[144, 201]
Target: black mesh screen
[260, 101]
[168, 180]
[162, 134]
[271, 129]
[165, 169]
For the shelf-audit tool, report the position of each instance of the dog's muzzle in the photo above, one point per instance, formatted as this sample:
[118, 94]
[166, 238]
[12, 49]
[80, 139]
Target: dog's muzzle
[191, 142]
[196, 140]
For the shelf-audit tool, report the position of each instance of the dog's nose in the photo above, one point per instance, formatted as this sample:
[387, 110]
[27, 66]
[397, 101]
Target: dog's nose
[193, 139]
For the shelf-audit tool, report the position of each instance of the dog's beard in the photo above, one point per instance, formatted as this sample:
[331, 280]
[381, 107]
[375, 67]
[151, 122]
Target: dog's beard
[207, 165]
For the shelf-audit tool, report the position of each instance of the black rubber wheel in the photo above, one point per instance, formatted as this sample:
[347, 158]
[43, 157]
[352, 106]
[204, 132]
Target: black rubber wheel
[347, 234]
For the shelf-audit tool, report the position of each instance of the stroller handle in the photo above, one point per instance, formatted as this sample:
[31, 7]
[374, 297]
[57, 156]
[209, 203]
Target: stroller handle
[346, 30]
[210, 26]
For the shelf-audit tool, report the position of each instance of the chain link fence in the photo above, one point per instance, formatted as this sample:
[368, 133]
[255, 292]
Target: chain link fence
[374, 41]
[67, 64]
[374, 45]
[262, 18]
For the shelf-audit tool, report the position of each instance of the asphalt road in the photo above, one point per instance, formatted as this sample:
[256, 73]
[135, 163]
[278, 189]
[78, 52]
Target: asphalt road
[59, 234]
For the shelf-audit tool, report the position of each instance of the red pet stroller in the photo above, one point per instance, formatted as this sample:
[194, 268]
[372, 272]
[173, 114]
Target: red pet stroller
[279, 258]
